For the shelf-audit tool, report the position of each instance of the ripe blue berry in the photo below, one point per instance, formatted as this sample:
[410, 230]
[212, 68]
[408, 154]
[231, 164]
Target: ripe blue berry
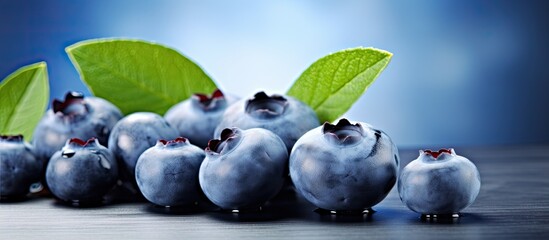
[244, 168]
[197, 117]
[439, 183]
[19, 167]
[83, 171]
[167, 174]
[76, 117]
[134, 134]
[285, 116]
[344, 167]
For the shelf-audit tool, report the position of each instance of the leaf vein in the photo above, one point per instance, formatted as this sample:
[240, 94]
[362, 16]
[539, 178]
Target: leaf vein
[130, 80]
[345, 84]
[18, 102]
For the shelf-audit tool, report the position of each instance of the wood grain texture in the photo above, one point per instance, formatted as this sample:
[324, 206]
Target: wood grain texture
[513, 203]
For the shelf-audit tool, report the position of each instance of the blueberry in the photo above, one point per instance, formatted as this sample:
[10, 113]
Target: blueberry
[197, 117]
[134, 134]
[167, 174]
[285, 116]
[76, 117]
[344, 167]
[439, 183]
[82, 171]
[244, 168]
[19, 167]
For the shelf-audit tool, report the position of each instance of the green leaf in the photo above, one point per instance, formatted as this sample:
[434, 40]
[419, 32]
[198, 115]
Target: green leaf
[137, 75]
[24, 97]
[334, 83]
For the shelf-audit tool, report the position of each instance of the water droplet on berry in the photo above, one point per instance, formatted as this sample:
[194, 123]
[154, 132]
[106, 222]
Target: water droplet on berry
[68, 153]
[104, 163]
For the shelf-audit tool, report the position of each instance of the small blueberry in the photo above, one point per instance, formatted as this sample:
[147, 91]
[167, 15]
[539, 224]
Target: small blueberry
[244, 168]
[167, 173]
[82, 171]
[439, 183]
[197, 117]
[134, 134]
[19, 167]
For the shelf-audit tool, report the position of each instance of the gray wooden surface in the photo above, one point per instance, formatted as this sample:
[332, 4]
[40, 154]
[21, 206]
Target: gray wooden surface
[513, 203]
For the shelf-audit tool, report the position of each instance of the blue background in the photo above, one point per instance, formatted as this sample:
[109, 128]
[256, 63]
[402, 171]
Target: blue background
[463, 72]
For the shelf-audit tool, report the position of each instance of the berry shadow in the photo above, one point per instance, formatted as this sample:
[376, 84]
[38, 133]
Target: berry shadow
[17, 199]
[326, 216]
[463, 219]
[283, 206]
[199, 208]
[88, 204]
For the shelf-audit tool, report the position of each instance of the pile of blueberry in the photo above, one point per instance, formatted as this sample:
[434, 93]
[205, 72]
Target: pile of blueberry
[238, 153]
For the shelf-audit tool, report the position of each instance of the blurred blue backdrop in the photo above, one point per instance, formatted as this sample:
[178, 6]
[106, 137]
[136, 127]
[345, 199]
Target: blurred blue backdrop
[463, 72]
